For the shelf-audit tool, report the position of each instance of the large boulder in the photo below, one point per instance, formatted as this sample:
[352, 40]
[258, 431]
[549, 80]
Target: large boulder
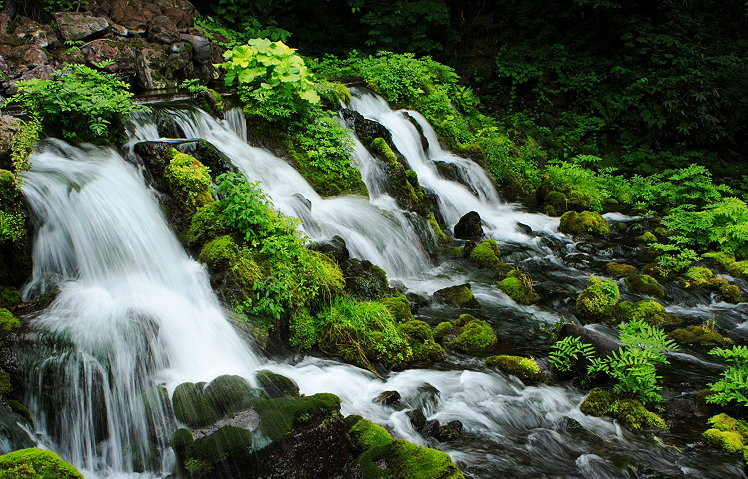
[469, 227]
[202, 48]
[74, 26]
[460, 295]
[163, 29]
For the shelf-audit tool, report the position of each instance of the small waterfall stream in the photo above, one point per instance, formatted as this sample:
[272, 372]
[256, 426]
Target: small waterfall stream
[134, 312]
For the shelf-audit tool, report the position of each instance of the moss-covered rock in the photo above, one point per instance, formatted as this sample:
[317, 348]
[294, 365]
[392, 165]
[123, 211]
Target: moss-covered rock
[524, 368]
[600, 402]
[699, 335]
[276, 385]
[598, 299]
[180, 441]
[460, 295]
[731, 293]
[486, 254]
[402, 460]
[9, 297]
[738, 269]
[365, 281]
[620, 270]
[366, 435]
[403, 185]
[646, 237]
[227, 394]
[421, 340]
[189, 181]
[467, 334]
[556, 203]
[233, 268]
[207, 224]
[280, 416]
[649, 311]
[584, 223]
[8, 324]
[228, 444]
[718, 257]
[442, 330]
[728, 434]
[701, 277]
[644, 284]
[657, 271]
[192, 407]
[36, 464]
[518, 286]
[399, 307]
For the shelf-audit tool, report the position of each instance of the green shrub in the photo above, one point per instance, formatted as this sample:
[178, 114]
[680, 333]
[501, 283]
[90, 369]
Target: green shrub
[567, 352]
[81, 102]
[732, 387]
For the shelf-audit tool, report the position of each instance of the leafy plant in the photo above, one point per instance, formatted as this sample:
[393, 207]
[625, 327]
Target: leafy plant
[272, 81]
[732, 387]
[81, 102]
[566, 352]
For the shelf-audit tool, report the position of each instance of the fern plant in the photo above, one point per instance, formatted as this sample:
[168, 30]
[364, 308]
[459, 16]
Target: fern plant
[732, 387]
[566, 352]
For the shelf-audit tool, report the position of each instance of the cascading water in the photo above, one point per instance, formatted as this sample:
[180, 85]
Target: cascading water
[133, 313]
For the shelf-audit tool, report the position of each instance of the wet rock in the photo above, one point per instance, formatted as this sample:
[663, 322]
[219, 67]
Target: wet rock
[228, 394]
[31, 32]
[365, 281]
[192, 407]
[469, 227]
[119, 30]
[202, 50]
[366, 130]
[448, 170]
[163, 29]
[417, 419]
[602, 344]
[460, 295]
[335, 248]
[388, 398]
[26, 57]
[524, 228]
[276, 385]
[180, 16]
[443, 432]
[74, 27]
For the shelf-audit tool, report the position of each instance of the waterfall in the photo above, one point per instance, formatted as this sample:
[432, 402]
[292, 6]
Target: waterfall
[133, 313]
[383, 235]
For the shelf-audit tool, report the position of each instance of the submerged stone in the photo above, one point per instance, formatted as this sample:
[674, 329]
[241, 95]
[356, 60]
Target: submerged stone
[459, 295]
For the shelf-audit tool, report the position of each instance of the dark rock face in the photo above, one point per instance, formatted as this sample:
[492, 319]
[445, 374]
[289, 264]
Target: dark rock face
[469, 227]
[364, 280]
[74, 27]
[388, 398]
[163, 29]
[276, 385]
[335, 248]
[603, 345]
[433, 428]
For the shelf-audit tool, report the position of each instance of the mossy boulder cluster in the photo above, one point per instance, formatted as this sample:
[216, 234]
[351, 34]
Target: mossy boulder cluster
[645, 285]
[649, 311]
[467, 334]
[36, 464]
[700, 336]
[601, 402]
[584, 223]
[728, 434]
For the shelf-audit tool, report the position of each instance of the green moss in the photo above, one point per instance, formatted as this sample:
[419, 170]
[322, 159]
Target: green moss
[227, 394]
[649, 311]
[600, 402]
[441, 236]
[598, 299]
[36, 463]
[644, 284]
[738, 269]
[207, 224]
[276, 385]
[723, 422]
[191, 407]
[524, 368]
[699, 335]
[647, 237]
[731, 293]
[597, 403]
[228, 442]
[657, 271]
[279, 417]
[556, 203]
[403, 460]
[518, 286]
[701, 277]
[234, 264]
[459, 295]
[366, 435]
[421, 340]
[18, 408]
[475, 336]
[442, 330]
[8, 323]
[404, 186]
[584, 223]
[731, 442]
[486, 254]
[721, 258]
[180, 441]
[189, 181]
[9, 297]
[620, 270]
[9, 188]
[399, 307]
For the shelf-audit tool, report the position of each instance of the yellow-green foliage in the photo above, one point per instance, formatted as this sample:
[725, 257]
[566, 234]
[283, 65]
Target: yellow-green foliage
[647, 237]
[728, 433]
[524, 368]
[584, 223]
[486, 254]
[556, 203]
[189, 181]
[518, 286]
[720, 257]
[644, 284]
[36, 464]
[8, 324]
[620, 270]
[225, 257]
[207, 224]
[441, 236]
[458, 295]
[730, 293]
[402, 460]
[699, 277]
[361, 332]
[598, 299]
[649, 311]
[421, 341]
[699, 335]
[601, 402]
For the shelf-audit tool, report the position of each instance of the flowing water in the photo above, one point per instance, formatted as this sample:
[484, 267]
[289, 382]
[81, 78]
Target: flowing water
[135, 312]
